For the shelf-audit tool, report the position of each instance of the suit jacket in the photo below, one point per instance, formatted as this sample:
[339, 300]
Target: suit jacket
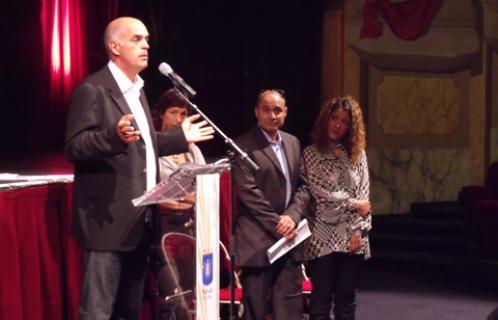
[108, 172]
[261, 196]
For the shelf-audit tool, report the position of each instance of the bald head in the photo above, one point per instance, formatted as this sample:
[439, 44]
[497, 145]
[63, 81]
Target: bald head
[127, 45]
[116, 31]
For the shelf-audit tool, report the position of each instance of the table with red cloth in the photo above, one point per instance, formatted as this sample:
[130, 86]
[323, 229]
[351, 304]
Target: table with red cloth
[41, 262]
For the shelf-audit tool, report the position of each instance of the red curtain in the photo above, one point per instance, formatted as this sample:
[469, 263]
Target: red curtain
[40, 272]
[41, 268]
[71, 33]
[63, 48]
[408, 20]
[226, 206]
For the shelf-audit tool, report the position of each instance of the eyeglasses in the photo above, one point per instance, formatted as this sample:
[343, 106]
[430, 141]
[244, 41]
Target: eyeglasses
[340, 102]
[345, 104]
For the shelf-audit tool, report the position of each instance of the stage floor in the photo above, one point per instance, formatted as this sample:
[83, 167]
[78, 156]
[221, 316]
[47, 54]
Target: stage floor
[400, 292]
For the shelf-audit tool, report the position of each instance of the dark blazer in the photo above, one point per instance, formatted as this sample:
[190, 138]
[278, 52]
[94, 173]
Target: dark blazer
[261, 196]
[108, 172]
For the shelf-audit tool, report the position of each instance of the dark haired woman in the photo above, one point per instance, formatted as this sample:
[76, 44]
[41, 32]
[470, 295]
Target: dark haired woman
[337, 175]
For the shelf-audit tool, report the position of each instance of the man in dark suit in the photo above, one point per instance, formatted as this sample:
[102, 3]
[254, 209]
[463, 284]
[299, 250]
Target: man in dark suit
[111, 140]
[269, 209]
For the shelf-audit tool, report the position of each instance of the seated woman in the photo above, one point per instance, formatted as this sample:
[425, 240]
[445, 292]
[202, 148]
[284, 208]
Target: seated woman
[170, 111]
[174, 216]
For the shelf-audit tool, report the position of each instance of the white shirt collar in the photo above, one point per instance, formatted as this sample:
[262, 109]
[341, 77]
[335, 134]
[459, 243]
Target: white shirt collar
[124, 83]
[267, 136]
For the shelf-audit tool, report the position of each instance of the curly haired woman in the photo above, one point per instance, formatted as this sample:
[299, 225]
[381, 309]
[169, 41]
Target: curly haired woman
[336, 170]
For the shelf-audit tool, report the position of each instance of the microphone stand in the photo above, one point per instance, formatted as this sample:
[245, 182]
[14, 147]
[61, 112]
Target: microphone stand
[232, 239]
[228, 141]
[247, 161]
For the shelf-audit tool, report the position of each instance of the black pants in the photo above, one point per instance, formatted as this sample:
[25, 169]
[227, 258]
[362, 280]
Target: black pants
[275, 289]
[334, 278]
[113, 283]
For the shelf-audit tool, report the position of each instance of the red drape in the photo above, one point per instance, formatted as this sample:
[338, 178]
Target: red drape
[225, 208]
[41, 265]
[40, 270]
[64, 48]
[408, 20]
[70, 31]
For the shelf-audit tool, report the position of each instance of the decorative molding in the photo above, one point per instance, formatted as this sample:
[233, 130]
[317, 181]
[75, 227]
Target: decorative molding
[449, 103]
[490, 23]
[451, 44]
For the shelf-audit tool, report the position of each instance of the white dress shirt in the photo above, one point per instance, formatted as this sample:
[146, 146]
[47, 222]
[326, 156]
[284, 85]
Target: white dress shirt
[278, 148]
[131, 93]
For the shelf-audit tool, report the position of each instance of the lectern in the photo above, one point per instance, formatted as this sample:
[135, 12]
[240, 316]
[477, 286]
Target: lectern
[204, 180]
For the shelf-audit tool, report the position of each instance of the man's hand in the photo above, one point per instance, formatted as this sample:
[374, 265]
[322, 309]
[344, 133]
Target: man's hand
[354, 243]
[125, 130]
[363, 207]
[286, 227]
[196, 132]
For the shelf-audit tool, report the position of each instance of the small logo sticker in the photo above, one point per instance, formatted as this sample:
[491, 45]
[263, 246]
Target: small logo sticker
[207, 269]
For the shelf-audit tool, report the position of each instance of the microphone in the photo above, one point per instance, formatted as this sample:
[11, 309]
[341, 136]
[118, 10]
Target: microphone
[178, 82]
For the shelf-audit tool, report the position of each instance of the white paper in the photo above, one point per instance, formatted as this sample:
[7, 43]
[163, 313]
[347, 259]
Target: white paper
[45, 177]
[11, 181]
[283, 245]
[339, 196]
[8, 176]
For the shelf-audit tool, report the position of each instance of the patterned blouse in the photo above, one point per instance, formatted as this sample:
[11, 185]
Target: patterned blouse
[335, 183]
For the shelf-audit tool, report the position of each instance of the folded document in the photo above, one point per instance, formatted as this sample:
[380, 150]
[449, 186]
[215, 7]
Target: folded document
[283, 245]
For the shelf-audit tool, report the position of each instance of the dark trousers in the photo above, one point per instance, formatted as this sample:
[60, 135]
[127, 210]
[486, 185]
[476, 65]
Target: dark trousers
[275, 289]
[113, 283]
[334, 278]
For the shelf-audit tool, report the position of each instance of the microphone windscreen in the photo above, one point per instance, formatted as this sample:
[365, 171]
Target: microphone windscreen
[165, 68]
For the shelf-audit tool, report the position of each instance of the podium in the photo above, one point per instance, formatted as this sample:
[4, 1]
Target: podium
[204, 181]
[180, 183]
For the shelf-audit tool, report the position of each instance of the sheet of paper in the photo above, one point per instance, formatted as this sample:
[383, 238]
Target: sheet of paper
[8, 176]
[11, 181]
[283, 245]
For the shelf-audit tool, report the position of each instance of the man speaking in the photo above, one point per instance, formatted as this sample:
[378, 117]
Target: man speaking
[111, 140]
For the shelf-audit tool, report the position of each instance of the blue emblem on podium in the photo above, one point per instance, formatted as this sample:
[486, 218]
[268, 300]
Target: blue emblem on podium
[207, 269]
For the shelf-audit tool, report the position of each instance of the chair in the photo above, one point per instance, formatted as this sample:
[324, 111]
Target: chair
[225, 293]
[306, 289]
[482, 204]
[176, 278]
[485, 218]
[469, 195]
